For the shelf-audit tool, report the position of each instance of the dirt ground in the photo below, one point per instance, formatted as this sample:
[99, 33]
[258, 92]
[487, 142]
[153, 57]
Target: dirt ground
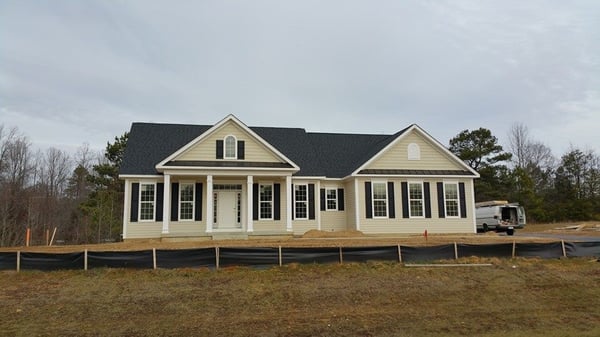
[315, 238]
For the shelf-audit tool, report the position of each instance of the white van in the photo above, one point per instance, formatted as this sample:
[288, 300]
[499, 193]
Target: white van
[499, 215]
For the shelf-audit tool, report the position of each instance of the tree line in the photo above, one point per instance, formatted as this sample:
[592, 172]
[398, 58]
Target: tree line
[77, 194]
[82, 197]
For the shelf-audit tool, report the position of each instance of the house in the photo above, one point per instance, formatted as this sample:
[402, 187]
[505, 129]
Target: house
[228, 179]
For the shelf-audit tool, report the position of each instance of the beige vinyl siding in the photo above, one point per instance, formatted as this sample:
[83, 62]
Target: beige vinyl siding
[350, 205]
[206, 149]
[333, 220]
[144, 230]
[432, 158]
[187, 228]
[400, 225]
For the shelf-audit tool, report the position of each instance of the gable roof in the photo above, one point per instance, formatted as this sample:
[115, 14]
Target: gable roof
[331, 155]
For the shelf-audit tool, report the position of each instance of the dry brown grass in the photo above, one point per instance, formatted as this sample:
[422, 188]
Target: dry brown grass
[535, 298]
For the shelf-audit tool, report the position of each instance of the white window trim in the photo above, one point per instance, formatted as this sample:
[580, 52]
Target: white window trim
[235, 141]
[387, 198]
[327, 199]
[422, 200]
[304, 201]
[140, 202]
[260, 185]
[457, 199]
[193, 200]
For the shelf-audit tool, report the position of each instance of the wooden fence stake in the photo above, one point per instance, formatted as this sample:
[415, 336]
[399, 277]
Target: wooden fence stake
[455, 251]
[217, 257]
[27, 237]
[399, 254]
[53, 234]
[154, 258]
[563, 248]
[85, 259]
[18, 261]
[280, 257]
[341, 257]
[514, 250]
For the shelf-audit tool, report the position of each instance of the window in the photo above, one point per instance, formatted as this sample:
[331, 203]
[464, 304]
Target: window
[414, 152]
[230, 145]
[451, 199]
[147, 200]
[331, 199]
[266, 202]
[301, 201]
[380, 200]
[186, 201]
[415, 199]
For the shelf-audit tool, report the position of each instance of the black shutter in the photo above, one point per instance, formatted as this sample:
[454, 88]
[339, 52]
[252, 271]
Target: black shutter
[463, 201]
[198, 202]
[368, 208]
[277, 201]
[340, 199]
[255, 201]
[219, 149]
[441, 204]
[135, 198]
[160, 193]
[174, 201]
[311, 201]
[323, 201]
[391, 202]
[241, 149]
[427, 195]
[293, 204]
[405, 210]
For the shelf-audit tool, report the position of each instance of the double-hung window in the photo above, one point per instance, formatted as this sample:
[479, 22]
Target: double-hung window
[415, 199]
[451, 199]
[186, 201]
[147, 201]
[301, 201]
[266, 202]
[331, 199]
[380, 200]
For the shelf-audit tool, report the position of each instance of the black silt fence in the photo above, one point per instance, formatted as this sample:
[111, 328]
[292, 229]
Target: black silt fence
[258, 257]
[48, 261]
[582, 249]
[132, 259]
[8, 260]
[310, 255]
[364, 254]
[421, 254]
[551, 250]
[488, 250]
[186, 258]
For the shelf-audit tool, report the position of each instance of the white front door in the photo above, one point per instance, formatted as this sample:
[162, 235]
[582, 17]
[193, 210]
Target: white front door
[228, 209]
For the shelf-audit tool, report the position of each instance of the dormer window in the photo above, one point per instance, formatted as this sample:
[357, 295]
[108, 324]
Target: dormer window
[230, 149]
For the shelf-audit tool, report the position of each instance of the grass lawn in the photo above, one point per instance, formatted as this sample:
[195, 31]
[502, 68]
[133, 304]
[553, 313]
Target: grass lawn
[534, 298]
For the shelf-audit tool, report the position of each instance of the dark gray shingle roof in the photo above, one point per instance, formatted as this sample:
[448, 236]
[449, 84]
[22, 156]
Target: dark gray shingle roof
[318, 154]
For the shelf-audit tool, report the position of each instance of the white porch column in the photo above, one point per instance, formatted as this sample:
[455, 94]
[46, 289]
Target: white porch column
[318, 204]
[249, 207]
[166, 204]
[209, 204]
[356, 204]
[288, 203]
[127, 207]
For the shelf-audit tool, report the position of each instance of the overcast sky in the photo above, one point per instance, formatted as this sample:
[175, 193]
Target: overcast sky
[83, 71]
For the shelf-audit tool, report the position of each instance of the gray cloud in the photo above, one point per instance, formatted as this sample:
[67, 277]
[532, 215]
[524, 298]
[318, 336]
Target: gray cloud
[83, 71]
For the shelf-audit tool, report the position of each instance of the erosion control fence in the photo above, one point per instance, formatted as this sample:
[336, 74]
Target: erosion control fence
[219, 257]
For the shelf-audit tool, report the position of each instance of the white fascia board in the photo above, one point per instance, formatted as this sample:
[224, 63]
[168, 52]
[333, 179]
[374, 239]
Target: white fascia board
[383, 176]
[308, 178]
[140, 176]
[219, 172]
[434, 141]
[161, 165]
